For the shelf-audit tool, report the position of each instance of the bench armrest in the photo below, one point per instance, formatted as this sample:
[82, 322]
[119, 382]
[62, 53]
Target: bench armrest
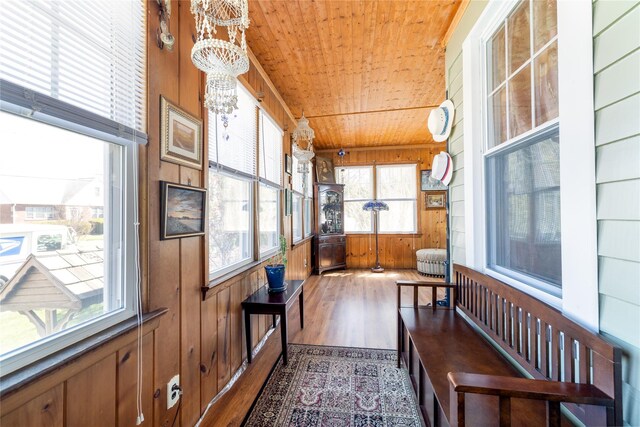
[428, 284]
[506, 388]
[525, 388]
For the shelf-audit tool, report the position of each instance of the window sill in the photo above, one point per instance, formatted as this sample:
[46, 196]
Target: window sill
[230, 275]
[301, 242]
[14, 381]
[365, 233]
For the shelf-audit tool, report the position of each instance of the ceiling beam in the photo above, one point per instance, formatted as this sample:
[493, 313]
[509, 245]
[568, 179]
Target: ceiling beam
[383, 147]
[320, 116]
[454, 22]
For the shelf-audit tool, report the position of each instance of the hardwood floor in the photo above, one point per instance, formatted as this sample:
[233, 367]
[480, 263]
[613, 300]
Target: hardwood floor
[351, 308]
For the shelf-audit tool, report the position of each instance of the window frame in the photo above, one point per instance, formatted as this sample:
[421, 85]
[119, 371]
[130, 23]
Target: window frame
[373, 195]
[237, 265]
[82, 123]
[263, 180]
[374, 192]
[398, 199]
[295, 195]
[232, 172]
[269, 252]
[579, 298]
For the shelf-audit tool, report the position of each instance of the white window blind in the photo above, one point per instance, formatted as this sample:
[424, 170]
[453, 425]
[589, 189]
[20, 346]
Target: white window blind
[92, 58]
[236, 145]
[297, 179]
[270, 150]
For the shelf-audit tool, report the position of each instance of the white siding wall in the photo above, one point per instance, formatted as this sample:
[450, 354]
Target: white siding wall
[616, 41]
[453, 61]
[456, 146]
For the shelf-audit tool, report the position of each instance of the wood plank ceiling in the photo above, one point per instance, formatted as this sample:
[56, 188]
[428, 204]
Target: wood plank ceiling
[366, 73]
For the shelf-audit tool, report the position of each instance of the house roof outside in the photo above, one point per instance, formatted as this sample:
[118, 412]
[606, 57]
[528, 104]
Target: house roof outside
[62, 279]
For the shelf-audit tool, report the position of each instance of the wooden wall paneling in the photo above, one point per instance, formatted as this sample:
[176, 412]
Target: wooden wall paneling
[29, 392]
[189, 76]
[127, 378]
[90, 396]
[236, 326]
[247, 289]
[254, 280]
[190, 297]
[46, 410]
[164, 256]
[191, 269]
[208, 351]
[224, 337]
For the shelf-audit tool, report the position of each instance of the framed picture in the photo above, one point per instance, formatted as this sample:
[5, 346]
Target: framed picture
[287, 163]
[183, 211]
[428, 183]
[180, 136]
[435, 200]
[324, 171]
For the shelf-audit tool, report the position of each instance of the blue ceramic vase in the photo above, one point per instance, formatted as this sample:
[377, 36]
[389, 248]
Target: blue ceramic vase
[275, 277]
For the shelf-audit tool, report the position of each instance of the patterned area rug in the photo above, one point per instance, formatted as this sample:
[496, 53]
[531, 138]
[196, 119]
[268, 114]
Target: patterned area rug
[336, 386]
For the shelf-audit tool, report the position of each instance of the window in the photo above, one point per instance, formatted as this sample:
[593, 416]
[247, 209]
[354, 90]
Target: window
[97, 212]
[523, 208]
[308, 216]
[39, 212]
[302, 218]
[297, 217]
[395, 185]
[523, 156]
[90, 96]
[358, 189]
[232, 173]
[529, 151]
[230, 222]
[270, 150]
[269, 218]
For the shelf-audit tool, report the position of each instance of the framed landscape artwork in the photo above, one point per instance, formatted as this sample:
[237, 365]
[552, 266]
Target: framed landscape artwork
[183, 211]
[427, 183]
[180, 136]
[435, 200]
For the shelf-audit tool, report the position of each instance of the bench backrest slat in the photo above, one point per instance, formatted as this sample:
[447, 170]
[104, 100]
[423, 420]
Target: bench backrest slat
[540, 339]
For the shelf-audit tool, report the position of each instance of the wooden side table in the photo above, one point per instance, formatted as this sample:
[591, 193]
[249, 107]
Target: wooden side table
[264, 302]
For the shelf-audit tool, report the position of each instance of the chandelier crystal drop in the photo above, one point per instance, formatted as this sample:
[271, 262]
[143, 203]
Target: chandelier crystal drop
[222, 60]
[221, 96]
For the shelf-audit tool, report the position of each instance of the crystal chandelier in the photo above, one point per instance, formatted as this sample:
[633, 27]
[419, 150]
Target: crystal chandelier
[222, 60]
[302, 137]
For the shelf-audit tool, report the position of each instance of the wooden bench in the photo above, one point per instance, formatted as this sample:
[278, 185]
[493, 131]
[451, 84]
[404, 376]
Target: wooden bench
[461, 378]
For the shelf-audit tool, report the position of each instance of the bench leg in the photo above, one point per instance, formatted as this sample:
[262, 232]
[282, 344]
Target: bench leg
[456, 408]
[554, 415]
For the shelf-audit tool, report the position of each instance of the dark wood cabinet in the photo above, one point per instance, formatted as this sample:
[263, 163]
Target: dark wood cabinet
[330, 244]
